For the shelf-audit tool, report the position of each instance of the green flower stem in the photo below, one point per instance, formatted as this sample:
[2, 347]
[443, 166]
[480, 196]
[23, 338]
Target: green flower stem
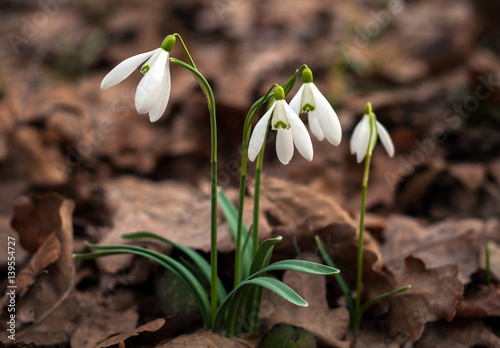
[366, 305]
[359, 280]
[185, 50]
[256, 199]
[338, 277]
[207, 90]
[244, 153]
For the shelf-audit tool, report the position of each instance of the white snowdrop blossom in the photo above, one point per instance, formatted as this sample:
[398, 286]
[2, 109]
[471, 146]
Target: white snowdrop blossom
[361, 136]
[323, 120]
[291, 130]
[153, 91]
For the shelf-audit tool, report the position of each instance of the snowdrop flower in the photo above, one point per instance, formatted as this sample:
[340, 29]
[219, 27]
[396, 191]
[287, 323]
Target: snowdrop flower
[323, 120]
[153, 91]
[361, 135]
[290, 129]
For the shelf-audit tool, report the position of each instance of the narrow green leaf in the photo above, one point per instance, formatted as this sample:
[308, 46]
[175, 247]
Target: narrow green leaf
[231, 215]
[264, 253]
[169, 263]
[300, 266]
[198, 260]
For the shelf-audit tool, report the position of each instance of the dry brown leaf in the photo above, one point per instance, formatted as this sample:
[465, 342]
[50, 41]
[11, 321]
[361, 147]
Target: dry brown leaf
[138, 333]
[447, 242]
[328, 325]
[46, 254]
[435, 294]
[97, 327]
[480, 301]
[49, 321]
[208, 339]
[174, 211]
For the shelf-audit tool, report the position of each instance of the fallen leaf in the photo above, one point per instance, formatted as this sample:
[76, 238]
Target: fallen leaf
[480, 301]
[175, 211]
[447, 242]
[49, 321]
[46, 254]
[139, 333]
[435, 294]
[106, 322]
[208, 339]
[328, 325]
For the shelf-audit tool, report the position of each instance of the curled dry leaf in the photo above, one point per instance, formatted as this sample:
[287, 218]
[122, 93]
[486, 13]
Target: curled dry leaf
[435, 294]
[47, 254]
[208, 339]
[175, 211]
[139, 333]
[458, 334]
[49, 321]
[447, 242]
[328, 325]
[480, 301]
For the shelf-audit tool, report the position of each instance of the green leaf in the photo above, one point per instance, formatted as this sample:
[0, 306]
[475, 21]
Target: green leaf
[236, 297]
[231, 215]
[198, 260]
[169, 263]
[300, 266]
[264, 253]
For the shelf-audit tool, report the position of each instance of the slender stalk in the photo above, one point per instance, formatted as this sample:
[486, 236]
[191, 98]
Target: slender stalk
[256, 199]
[185, 50]
[367, 304]
[241, 200]
[359, 280]
[207, 90]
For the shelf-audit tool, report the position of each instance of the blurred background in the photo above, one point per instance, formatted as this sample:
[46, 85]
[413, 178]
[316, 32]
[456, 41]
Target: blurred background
[431, 69]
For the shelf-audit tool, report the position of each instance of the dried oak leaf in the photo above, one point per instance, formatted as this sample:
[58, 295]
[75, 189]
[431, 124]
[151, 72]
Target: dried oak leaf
[208, 339]
[175, 211]
[447, 242]
[101, 323]
[480, 301]
[47, 253]
[48, 308]
[462, 333]
[328, 325]
[138, 334]
[435, 294]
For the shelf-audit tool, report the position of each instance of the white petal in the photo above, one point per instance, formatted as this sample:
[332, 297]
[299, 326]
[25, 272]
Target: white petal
[301, 137]
[328, 120]
[315, 127]
[355, 137]
[124, 69]
[159, 108]
[361, 145]
[385, 138]
[148, 90]
[259, 134]
[284, 145]
[295, 102]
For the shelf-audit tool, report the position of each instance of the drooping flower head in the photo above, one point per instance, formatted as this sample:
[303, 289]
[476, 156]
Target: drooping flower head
[153, 91]
[323, 120]
[361, 135]
[290, 129]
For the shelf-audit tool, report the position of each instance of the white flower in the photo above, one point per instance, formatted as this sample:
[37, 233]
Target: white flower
[323, 120]
[361, 136]
[153, 91]
[291, 131]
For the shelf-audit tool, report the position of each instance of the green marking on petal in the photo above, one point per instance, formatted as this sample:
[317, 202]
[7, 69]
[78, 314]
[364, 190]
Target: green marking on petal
[281, 124]
[145, 69]
[307, 107]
